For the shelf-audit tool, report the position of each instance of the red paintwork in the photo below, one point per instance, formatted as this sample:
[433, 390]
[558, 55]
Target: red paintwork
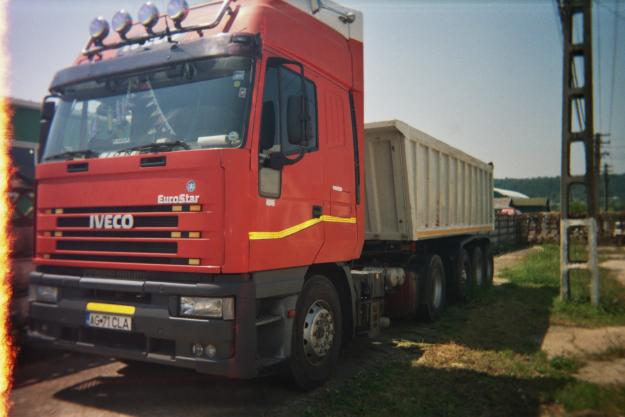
[227, 180]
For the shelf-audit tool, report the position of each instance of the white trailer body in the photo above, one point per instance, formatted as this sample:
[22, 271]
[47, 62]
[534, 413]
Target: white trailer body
[418, 187]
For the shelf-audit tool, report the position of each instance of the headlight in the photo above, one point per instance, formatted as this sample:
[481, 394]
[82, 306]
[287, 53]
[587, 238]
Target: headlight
[221, 308]
[44, 294]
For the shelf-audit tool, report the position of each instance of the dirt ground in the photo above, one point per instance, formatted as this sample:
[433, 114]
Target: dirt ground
[587, 344]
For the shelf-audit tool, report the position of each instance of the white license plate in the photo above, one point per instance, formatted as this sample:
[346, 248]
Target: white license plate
[109, 321]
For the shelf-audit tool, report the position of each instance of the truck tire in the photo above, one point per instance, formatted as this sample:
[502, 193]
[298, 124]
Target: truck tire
[462, 281]
[316, 341]
[489, 265]
[477, 264]
[433, 289]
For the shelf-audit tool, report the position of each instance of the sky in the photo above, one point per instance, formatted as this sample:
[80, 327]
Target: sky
[484, 76]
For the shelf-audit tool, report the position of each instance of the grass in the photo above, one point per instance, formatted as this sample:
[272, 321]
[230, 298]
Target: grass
[481, 359]
[542, 269]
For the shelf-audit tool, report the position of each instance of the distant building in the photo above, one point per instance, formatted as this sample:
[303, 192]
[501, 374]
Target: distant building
[530, 205]
[500, 193]
[513, 202]
[25, 131]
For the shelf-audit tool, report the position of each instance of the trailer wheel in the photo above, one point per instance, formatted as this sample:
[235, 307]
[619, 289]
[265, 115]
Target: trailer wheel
[433, 300]
[462, 276]
[316, 341]
[477, 263]
[489, 265]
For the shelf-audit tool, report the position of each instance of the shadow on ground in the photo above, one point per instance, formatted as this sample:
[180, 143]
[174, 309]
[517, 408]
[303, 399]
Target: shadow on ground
[507, 317]
[152, 390]
[36, 365]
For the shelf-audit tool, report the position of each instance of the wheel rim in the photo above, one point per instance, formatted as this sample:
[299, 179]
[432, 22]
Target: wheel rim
[318, 332]
[438, 290]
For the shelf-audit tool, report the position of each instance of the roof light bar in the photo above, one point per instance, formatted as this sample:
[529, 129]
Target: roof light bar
[98, 29]
[148, 15]
[178, 11]
[122, 22]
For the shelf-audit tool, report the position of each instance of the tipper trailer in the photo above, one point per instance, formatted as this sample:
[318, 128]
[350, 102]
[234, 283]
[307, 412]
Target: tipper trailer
[209, 197]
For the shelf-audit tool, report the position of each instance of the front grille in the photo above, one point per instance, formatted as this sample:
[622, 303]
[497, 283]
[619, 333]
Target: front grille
[154, 230]
[126, 274]
[128, 209]
[125, 259]
[112, 246]
[139, 221]
[90, 233]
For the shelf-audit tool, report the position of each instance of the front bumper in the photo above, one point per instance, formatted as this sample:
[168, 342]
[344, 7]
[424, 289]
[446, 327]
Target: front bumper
[157, 335]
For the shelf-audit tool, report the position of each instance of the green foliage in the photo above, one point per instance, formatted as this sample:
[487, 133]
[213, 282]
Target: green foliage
[543, 269]
[550, 187]
[563, 363]
[580, 395]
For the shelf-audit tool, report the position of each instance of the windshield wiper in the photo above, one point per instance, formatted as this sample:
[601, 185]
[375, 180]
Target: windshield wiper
[85, 153]
[156, 146]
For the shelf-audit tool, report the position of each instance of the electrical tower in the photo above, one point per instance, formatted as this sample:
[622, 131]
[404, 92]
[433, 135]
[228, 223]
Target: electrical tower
[577, 101]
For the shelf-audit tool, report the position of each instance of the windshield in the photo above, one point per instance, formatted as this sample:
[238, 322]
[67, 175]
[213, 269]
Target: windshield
[192, 105]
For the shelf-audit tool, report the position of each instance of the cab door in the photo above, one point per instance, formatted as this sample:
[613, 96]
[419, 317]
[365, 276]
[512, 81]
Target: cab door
[286, 228]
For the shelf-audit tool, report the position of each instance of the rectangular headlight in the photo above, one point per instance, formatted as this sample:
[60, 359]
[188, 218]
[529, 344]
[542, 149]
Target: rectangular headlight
[44, 293]
[220, 308]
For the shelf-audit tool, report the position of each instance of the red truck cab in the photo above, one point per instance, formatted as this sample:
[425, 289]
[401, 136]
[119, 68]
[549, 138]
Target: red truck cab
[196, 176]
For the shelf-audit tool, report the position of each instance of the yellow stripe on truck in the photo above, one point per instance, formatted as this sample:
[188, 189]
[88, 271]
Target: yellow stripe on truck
[299, 227]
[111, 308]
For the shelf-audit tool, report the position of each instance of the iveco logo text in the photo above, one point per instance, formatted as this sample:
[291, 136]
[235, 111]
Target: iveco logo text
[111, 221]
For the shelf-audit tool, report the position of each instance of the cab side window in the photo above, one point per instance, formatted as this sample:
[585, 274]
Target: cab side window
[281, 84]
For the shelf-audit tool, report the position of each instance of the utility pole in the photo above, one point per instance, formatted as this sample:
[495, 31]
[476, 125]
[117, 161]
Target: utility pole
[577, 101]
[599, 155]
[606, 183]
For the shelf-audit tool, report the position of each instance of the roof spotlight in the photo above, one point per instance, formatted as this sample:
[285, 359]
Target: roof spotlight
[148, 15]
[178, 10]
[122, 22]
[98, 29]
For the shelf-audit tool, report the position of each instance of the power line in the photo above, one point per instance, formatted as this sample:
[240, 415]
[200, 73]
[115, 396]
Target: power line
[598, 19]
[614, 56]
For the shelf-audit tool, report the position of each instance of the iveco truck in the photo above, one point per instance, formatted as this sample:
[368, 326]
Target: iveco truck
[209, 196]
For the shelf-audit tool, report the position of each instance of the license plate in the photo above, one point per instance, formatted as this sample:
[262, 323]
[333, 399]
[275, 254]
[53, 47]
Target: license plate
[109, 321]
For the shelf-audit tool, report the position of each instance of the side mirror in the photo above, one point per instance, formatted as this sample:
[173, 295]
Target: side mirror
[48, 108]
[297, 120]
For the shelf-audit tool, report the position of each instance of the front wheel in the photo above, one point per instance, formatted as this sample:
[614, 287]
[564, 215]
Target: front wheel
[316, 341]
